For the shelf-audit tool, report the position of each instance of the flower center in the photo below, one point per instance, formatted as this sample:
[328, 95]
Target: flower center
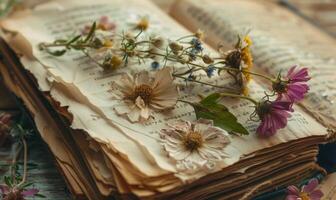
[264, 108]
[304, 196]
[144, 91]
[234, 58]
[193, 140]
[279, 86]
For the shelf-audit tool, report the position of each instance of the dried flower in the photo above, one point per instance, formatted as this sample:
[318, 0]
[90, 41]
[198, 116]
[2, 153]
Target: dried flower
[112, 63]
[233, 58]
[142, 24]
[103, 24]
[195, 145]
[308, 192]
[196, 45]
[8, 193]
[246, 56]
[207, 59]
[199, 34]
[273, 116]
[157, 42]
[141, 95]
[210, 70]
[175, 47]
[155, 65]
[294, 86]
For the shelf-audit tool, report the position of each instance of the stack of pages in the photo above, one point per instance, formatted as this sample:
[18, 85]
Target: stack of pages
[103, 155]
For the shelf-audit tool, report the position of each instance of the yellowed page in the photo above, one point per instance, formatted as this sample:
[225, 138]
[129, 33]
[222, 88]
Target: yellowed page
[281, 39]
[81, 86]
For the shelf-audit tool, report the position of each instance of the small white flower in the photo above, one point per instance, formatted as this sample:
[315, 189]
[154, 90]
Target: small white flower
[141, 95]
[195, 145]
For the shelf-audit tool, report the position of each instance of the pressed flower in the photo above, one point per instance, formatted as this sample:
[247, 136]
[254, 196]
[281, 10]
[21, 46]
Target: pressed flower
[155, 65]
[142, 24]
[175, 47]
[8, 193]
[199, 34]
[195, 145]
[210, 70]
[157, 42]
[293, 86]
[307, 192]
[273, 116]
[141, 95]
[196, 45]
[207, 59]
[103, 24]
[113, 62]
[247, 57]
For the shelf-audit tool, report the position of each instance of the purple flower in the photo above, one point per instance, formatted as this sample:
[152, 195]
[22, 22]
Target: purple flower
[308, 192]
[273, 116]
[14, 193]
[294, 86]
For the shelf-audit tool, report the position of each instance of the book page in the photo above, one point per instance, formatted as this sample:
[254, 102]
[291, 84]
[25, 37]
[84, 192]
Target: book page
[280, 40]
[76, 82]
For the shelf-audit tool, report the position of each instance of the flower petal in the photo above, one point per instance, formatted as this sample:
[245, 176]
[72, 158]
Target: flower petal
[30, 192]
[142, 78]
[310, 186]
[316, 195]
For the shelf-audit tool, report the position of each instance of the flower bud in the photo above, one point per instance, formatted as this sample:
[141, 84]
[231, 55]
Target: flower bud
[207, 60]
[157, 42]
[199, 34]
[175, 46]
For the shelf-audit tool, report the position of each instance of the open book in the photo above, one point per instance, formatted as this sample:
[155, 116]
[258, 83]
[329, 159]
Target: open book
[103, 155]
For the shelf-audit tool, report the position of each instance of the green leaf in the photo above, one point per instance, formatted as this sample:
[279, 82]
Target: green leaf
[40, 195]
[92, 30]
[209, 108]
[74, 39]
[25, 185]
[8, 181]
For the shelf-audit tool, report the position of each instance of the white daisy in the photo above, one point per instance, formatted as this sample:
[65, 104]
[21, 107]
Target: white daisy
[195, 145]
[141, 95]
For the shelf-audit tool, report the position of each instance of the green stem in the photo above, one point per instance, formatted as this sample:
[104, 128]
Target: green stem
[25, 160]
[46, 45]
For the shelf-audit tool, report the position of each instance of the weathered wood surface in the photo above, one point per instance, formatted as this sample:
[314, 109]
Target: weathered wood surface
[42, 170]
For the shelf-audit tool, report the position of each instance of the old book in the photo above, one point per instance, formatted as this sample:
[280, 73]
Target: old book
[102, 155]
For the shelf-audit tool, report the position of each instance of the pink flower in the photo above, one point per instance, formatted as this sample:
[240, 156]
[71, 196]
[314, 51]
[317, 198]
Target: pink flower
[8, 193]
[103, 24]
[308, 192]
[294, 86]
[273, 116]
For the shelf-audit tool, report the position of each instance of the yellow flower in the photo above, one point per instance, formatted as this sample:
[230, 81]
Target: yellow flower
[116, 61]
[247, 57]
[199, 34]
[108, 43]
[142, 24]
[243, 84]
[113, 63]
